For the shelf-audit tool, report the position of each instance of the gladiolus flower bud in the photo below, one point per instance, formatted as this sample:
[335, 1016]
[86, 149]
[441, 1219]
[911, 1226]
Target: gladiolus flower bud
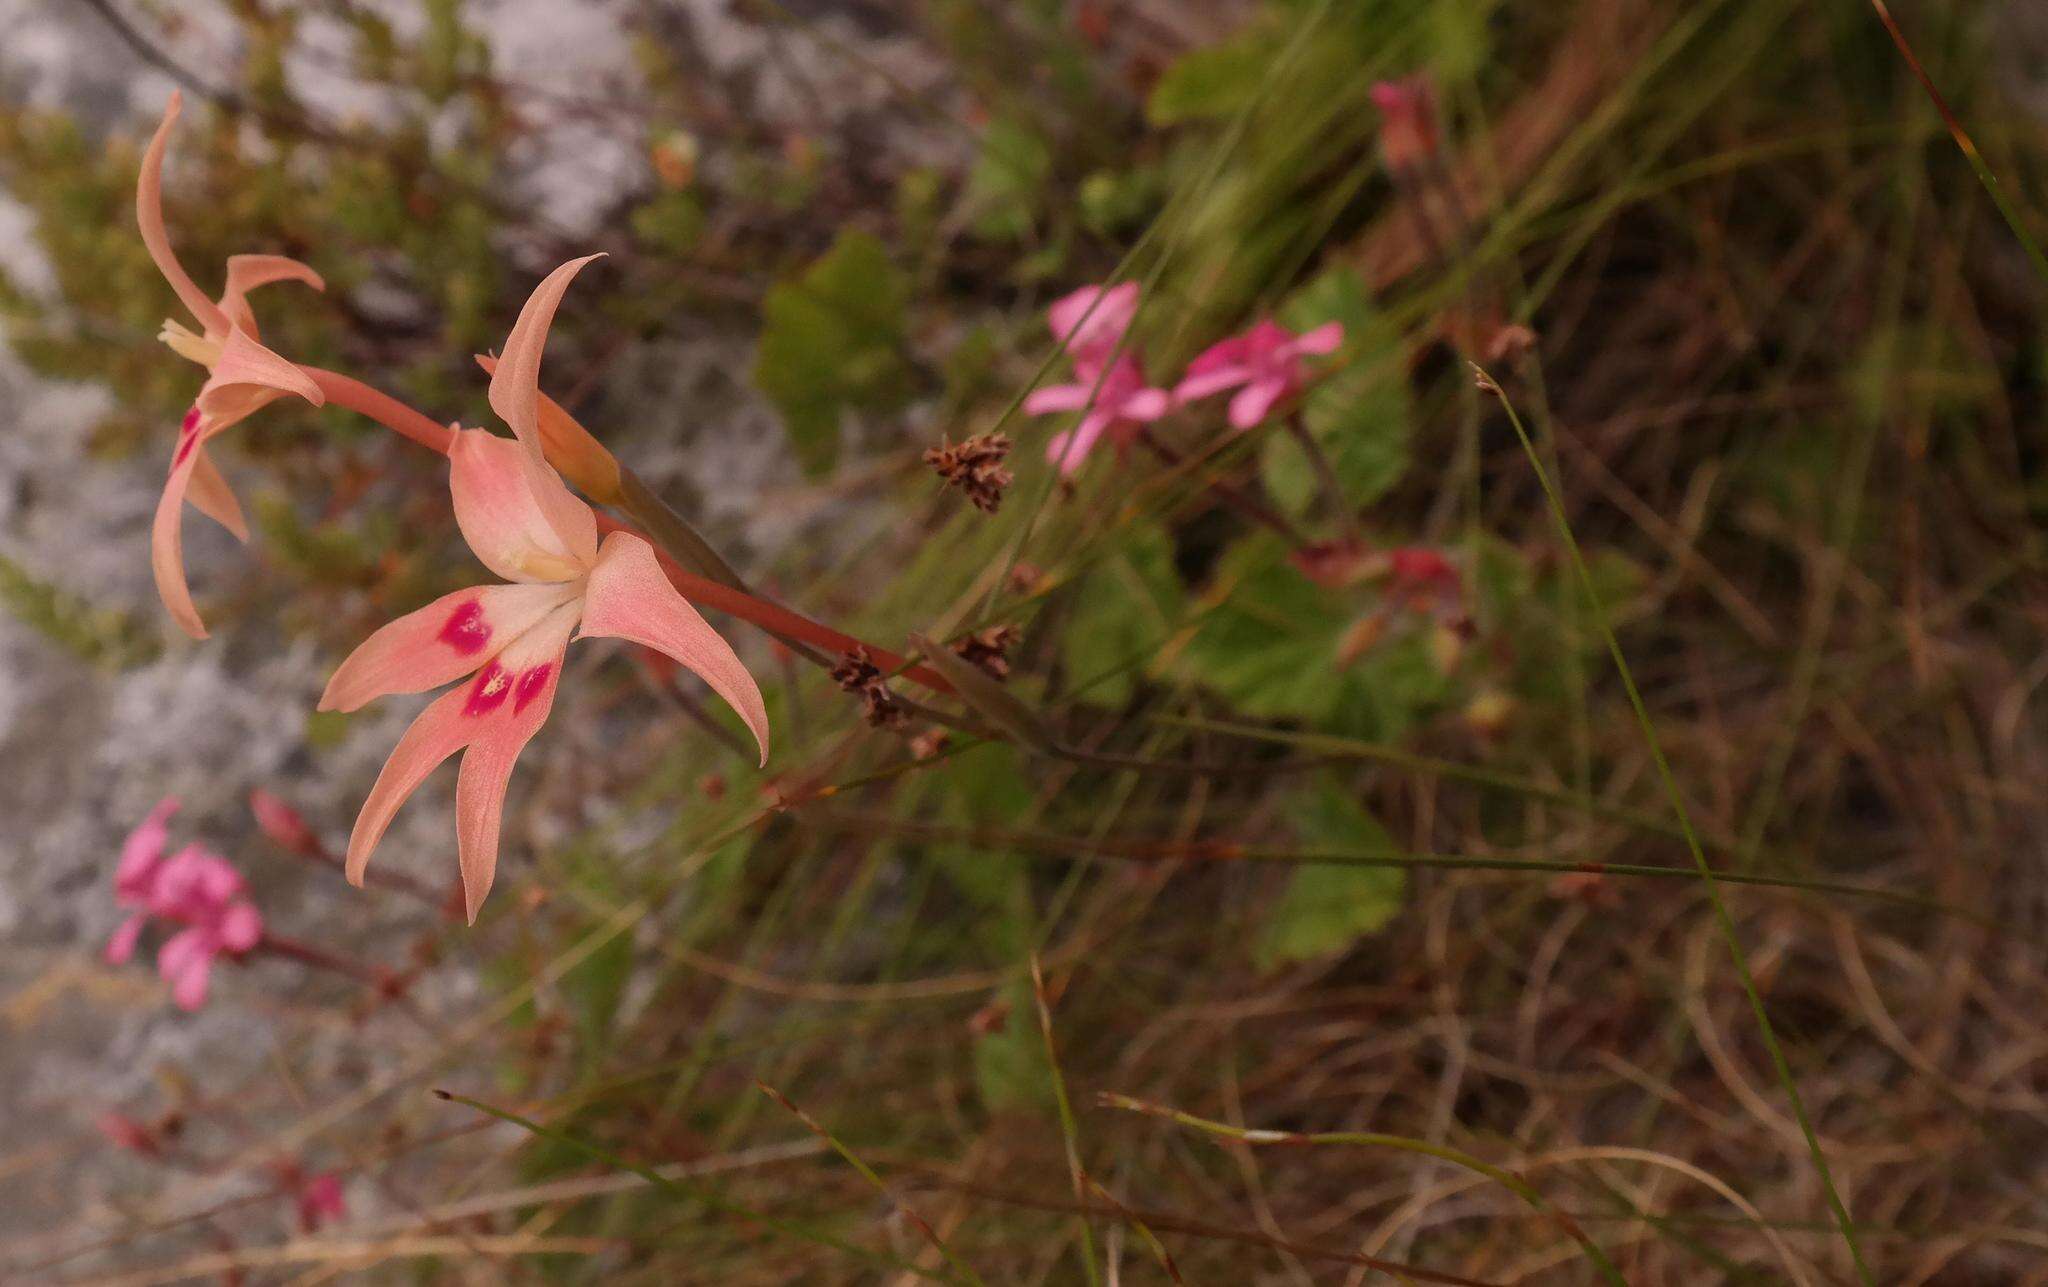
[284, 825]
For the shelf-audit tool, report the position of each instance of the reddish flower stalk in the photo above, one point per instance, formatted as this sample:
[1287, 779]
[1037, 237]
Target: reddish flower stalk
[344, 391]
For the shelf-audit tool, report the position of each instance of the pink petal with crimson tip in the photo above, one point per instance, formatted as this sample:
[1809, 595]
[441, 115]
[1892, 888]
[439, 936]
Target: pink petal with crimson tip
[1055, 398]
[167, 549]
[526, 675]
[629, 598]
[1326, 338]
[1254, 401]
[247, 376]
[149, 213]
[447, 639]
[247, 272]
[515, 512]
[440, 731]
[241, 927]
[515, 385]
[121, 947]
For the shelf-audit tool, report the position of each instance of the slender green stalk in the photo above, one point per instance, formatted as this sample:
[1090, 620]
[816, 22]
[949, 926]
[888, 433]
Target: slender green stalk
[1598, 611]
[1068, 1130]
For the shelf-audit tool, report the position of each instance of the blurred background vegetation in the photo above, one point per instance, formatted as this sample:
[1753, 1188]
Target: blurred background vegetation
[1304, 858]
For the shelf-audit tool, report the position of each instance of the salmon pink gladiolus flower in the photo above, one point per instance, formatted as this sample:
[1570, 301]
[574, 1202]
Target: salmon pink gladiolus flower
[1264, 365]
[525, 525]
[195, 888]
[1109, 389]
[242, 376]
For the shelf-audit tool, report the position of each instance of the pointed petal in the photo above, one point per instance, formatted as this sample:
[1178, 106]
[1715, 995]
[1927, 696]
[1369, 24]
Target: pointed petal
[149, 213]
[189, 985]
[167, 548]
[1255, 401]
[211, 496]
[629, 598]
[121, 947]
[247, 376]
[143, 850]
[514, 511]
[184, 961]
[1055, 398]
[1069, 449]
[486, 773]
[440, 731]
[247, 272]
[1204, 384]
[447, 639]
[515, 385]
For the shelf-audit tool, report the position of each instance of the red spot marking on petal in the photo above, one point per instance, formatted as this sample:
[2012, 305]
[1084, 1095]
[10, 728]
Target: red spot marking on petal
[191, 420]
[188, 437]
[466, 630]
[531, 685]
[492, 687]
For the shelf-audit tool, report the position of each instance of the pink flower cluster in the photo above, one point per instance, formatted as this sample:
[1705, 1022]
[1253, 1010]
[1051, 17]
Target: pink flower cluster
[194, 888]
[1264, 364]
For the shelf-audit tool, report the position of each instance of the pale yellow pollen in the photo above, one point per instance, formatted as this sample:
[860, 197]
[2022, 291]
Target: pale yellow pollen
[195, 348]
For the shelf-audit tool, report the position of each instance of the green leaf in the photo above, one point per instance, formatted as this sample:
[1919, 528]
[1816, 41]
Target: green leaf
[1121, 615]
[1326, 909]
[1008, 180]
[1211, 82]
[1010, 1067]
[1279, 646]
[1358, 412]
[833, 341]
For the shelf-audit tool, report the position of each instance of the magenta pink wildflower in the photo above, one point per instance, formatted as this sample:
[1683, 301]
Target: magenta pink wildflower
[319, 1201]
[1408, 137]
[1108, 388]
[194, 888]
[1264, 365]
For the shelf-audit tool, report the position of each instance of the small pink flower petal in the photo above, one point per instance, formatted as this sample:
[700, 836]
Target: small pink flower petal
[189, 985]
[1255, 401]
[1324, 339]
[486, 773]
[515, 385]
[440, 731]
[121, 946]
[447, 639]
[1146, 404]
[1091, 320]
[516, 513]
[1069, 449]
[1055, 398]
[149, 213]
[1204, 384]
[211, 496]
[629, 598]
[241, 927]
[143, 850]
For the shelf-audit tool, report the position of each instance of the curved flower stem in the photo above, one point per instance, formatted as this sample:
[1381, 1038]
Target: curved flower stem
[1234, 497]
[376, 976]
[1326, 475]
[394, 415]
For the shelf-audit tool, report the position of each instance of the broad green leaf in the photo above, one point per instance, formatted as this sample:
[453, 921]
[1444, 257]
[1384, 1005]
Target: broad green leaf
[1008, 180]
[1212, 82]
[1121, 614]
[1326, 909]
[833, 341]
[1280, 646]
